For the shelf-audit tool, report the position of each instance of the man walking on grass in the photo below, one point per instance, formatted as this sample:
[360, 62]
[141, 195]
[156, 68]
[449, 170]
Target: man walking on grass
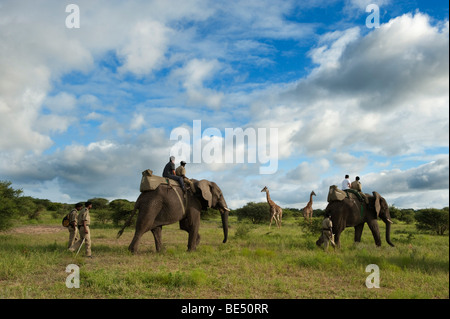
[73, 229]
[84, 220]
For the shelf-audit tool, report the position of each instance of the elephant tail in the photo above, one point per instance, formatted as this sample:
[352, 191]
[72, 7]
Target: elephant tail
[127, 223]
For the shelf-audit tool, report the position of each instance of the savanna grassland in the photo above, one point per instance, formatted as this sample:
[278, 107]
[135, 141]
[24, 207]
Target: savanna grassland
[255, 263]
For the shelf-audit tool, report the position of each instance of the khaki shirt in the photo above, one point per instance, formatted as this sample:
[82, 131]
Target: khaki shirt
[356, 185]
[180, 171]
[327, 224]
[73, 215]
[84, 216]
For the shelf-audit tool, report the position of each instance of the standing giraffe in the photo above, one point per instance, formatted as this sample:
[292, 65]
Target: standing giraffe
[307, 210]
[276, 212]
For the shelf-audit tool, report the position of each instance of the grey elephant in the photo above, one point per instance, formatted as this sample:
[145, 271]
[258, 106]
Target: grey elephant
[162, 207]
[352, 213]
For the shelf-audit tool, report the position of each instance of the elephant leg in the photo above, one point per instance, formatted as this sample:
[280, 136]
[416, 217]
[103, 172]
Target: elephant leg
[184, 225]
[158, 238]
[373, 225]
[191, 225]
[337, 239]
[194, 225]
[358, 232]
[135, 242]
[143, 224]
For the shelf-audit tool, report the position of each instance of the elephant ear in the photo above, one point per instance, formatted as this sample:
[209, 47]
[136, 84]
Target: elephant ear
[377, 203]
[205, 188]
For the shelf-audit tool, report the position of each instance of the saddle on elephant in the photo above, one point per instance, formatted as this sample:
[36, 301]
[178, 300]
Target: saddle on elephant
[150, 182]
[354, 194]
[336, 194]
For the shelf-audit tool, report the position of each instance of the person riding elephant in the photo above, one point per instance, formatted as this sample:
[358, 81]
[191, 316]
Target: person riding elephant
[357, 188]
[169, 172]
[166, 205]
[350, 213]
[181, 171]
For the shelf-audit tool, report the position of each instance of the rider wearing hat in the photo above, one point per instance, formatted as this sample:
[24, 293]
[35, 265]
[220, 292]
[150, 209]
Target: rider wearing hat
[181, 171]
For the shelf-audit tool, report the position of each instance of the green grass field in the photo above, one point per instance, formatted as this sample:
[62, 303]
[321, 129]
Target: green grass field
[255, 263]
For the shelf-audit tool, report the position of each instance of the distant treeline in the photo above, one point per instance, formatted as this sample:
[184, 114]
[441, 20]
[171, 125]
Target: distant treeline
[14, 206]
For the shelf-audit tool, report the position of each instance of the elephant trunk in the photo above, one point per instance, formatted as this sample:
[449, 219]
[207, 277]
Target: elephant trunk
[224, 215]
[388, 232]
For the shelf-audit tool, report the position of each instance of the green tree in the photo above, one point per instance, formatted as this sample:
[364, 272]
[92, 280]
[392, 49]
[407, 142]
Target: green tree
[9, 206]
[256, 212]
[99, 203]
[31, 207]
[312, 226]
[407, 215]
[121, 210]
[294, 212]
[433, 219]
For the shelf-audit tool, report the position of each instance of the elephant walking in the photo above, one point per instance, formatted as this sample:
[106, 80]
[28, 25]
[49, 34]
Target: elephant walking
[352, 213]
[162, 207]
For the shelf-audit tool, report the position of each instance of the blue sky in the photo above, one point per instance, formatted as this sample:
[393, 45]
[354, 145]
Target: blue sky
[84, 111]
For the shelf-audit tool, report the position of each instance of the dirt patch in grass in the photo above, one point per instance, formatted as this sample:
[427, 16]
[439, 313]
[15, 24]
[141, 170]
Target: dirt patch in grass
[36, 229]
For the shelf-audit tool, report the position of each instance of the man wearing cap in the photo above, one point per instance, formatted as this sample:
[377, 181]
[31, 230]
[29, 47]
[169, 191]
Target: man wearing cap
[327, 233]
[181, 171]
[73, 229]
[356, 185]
[169, 172]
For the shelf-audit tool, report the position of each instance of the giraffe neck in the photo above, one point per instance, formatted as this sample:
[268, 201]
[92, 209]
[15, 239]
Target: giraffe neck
[269, 200]
[310, 198]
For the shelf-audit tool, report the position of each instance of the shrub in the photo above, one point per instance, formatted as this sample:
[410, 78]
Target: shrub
[257, 213]
[311, 227]
[9, 207]
[406, 215]
[433, 219]
[99, 203]
[209, 213]
[103, 216]
[243, 230]
[121, 210]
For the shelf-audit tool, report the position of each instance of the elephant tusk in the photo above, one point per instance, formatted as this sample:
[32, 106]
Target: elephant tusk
[227, 209]
[390, 221]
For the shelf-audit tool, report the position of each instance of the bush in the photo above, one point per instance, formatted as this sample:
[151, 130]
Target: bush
[209, 213]
[31, 207]
[433, 219]
[405, 215]
[121, 210]
[61, 210]
[99, 203]
[294, 212]
[9, 204]
[257, 213]
[243, 230]
[312, 226]
[103, 216]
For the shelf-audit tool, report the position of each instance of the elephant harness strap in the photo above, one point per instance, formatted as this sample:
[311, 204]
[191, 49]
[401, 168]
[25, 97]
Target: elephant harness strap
[361, 207]
[179, 197]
